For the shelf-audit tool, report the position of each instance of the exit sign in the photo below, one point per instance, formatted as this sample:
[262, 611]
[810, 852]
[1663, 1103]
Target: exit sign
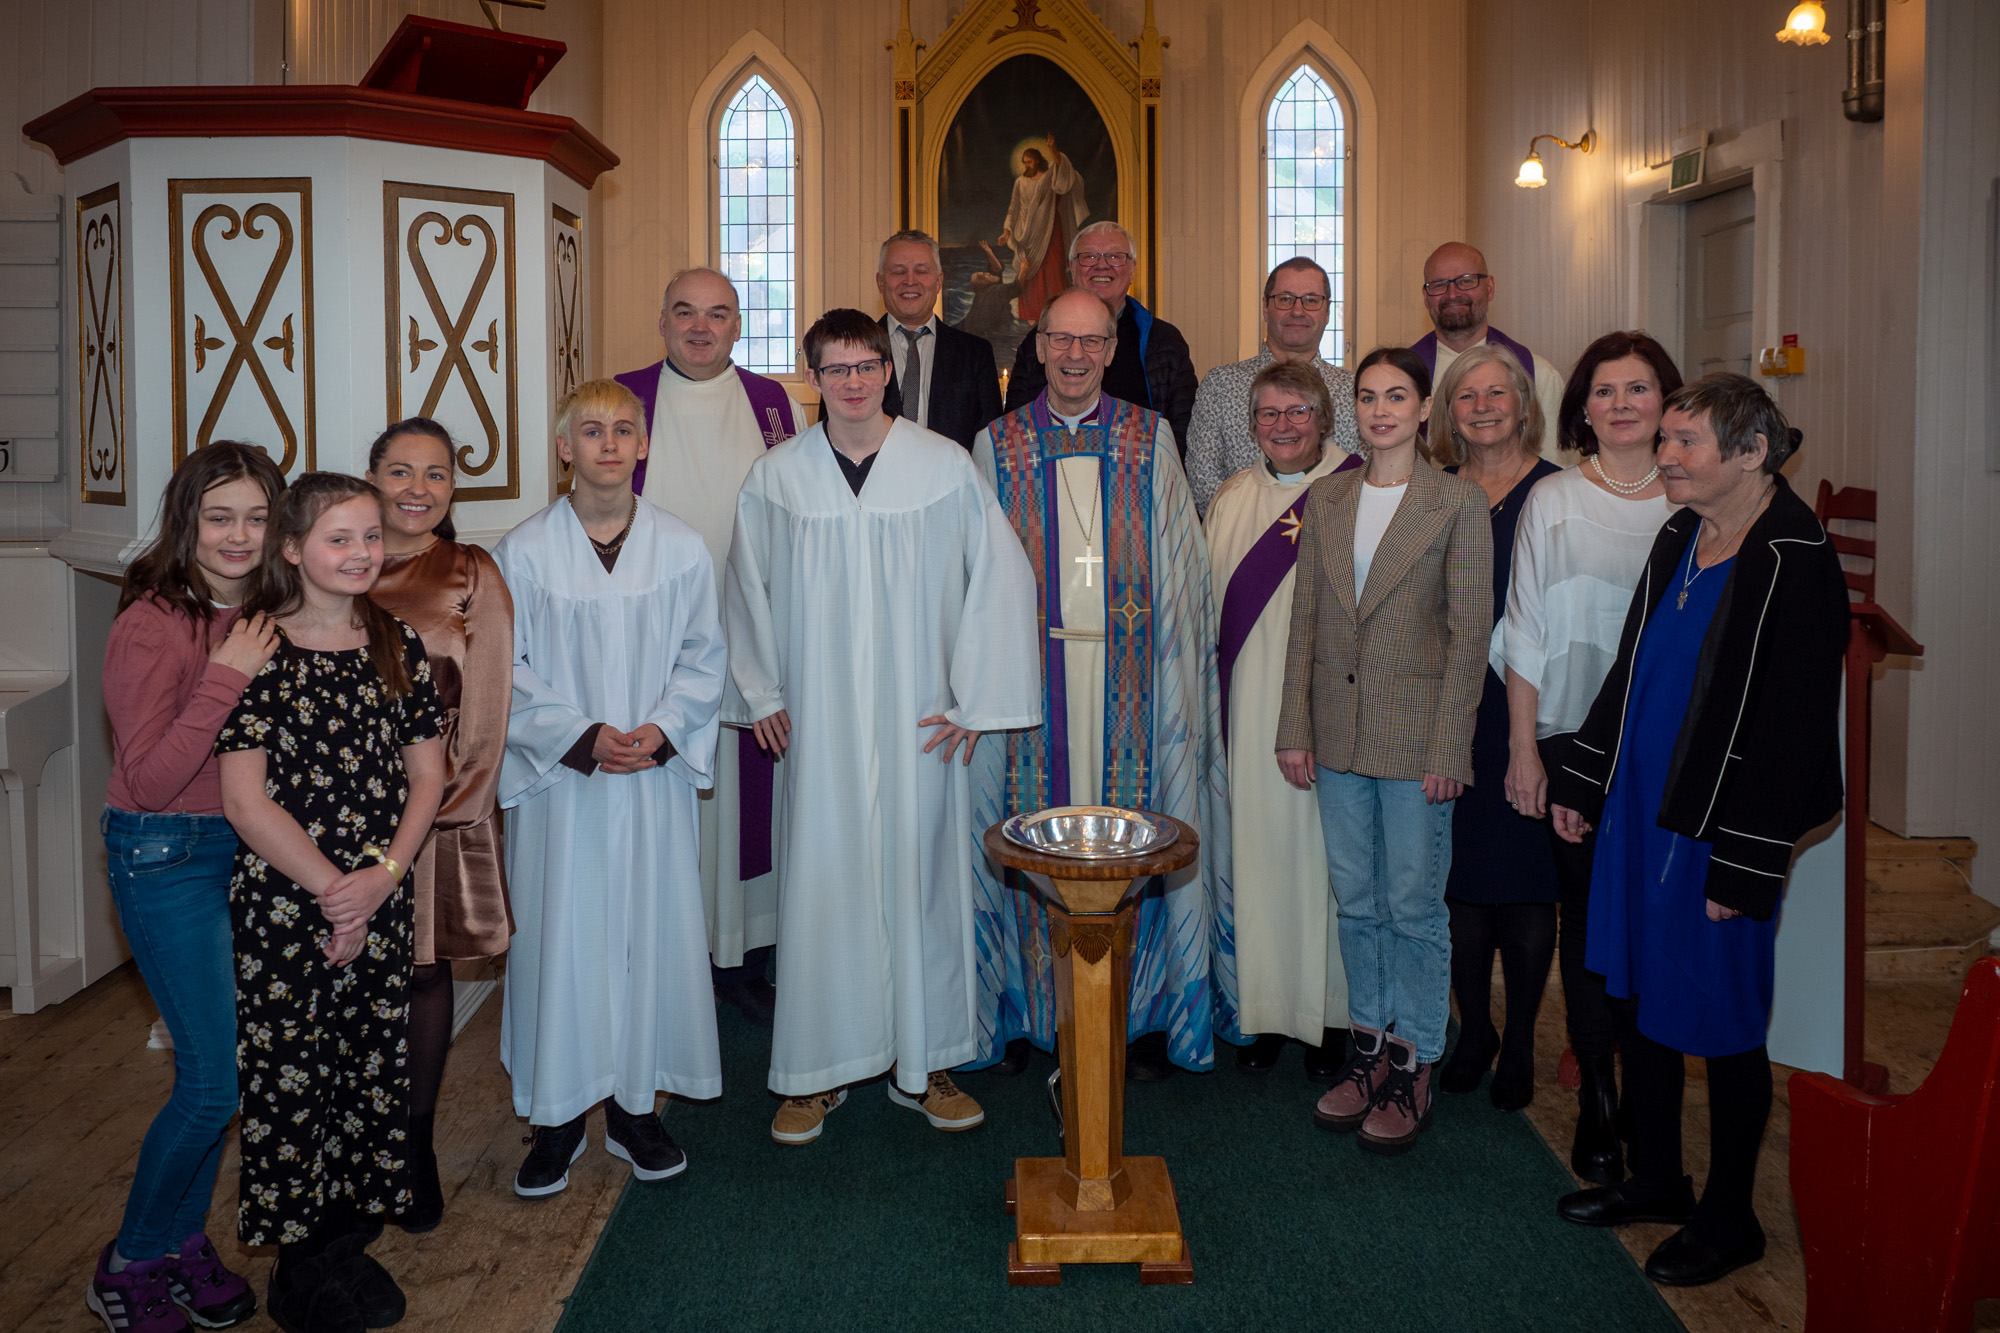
[1686, 172]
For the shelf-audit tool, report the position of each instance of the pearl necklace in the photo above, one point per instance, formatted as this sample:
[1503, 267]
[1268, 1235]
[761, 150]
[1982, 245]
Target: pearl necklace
[1623, 487]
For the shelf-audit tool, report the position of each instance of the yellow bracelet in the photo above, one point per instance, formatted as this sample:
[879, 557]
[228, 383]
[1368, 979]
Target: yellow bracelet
[395, 871]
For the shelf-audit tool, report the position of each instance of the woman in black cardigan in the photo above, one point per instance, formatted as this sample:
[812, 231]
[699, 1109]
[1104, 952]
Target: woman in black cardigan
[1712, 747]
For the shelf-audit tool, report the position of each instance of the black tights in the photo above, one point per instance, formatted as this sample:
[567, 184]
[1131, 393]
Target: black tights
[1587, 1014]
[1525, 935]
[1739, 1104]
[431, 1008]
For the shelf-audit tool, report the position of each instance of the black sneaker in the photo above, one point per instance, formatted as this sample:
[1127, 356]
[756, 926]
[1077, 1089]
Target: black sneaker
[640, 1140]
[545, 1170]
[377, 1298]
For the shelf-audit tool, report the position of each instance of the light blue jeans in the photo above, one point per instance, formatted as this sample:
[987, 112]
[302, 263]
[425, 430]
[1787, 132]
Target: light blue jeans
[170, 878]
[1389, 855]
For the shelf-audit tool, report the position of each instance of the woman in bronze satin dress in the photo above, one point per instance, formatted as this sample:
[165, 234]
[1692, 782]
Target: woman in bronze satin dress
[453, 596]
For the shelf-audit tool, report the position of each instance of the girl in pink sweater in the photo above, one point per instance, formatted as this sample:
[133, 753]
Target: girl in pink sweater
[178, 660]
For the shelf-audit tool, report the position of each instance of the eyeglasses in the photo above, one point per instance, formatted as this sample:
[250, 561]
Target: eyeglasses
[1092, 343]
[1465, 282]
[1103, 258]
[1298, 414]
[866, 371]
[1286, 300]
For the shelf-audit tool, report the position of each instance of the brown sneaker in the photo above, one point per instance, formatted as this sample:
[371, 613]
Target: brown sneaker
[1402, 1108]
[942, 1103]
[800, 1119]
[1346, 1104]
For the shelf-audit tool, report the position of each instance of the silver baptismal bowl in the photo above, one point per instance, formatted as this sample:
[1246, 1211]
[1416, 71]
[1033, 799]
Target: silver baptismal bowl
[1090, 832]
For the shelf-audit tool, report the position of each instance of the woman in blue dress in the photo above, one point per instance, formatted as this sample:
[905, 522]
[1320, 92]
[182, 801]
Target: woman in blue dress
[1712, 747]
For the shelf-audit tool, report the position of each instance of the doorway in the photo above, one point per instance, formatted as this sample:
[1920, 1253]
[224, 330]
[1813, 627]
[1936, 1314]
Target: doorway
[1718, 282]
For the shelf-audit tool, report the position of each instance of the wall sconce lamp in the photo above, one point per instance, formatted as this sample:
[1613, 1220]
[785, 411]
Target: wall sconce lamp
[1531, 176]
[1806, 26]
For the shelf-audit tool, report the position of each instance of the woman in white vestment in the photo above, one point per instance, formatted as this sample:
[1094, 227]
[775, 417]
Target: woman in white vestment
[1288, 950]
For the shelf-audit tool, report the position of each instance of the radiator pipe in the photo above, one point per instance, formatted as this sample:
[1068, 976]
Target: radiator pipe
[1866, 45]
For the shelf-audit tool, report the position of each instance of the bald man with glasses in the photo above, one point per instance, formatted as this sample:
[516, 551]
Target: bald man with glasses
[1458, 288]
[1152, 368]
[1297, 306]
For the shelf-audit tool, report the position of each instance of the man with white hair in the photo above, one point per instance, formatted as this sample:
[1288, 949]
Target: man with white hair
[942, 379]
[1298, 301]
[1152, 368]
[710, 419]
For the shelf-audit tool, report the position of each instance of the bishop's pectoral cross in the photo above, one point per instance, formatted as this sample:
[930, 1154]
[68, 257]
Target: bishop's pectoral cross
[1088, 561]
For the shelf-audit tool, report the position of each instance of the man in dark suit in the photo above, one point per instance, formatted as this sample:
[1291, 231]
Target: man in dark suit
[942, 379]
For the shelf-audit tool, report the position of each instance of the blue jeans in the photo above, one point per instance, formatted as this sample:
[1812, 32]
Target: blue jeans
[170, 878]
[1389, 855]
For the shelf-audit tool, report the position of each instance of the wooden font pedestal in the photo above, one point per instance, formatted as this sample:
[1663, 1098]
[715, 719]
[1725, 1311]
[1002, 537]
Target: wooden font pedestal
[1093, 1205]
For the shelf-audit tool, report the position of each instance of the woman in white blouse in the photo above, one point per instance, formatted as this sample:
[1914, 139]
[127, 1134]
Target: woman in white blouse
[1580, 549]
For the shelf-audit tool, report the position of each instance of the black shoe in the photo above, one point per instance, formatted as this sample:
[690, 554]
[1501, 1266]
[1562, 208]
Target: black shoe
[1261, 1054]
[1475, 1051]
[377, 1298]
[1146, 1059]
[1686, 1260]
[640, 1140]
[426, 1208]
[1323, 1061]
[1608, 1206]
[1513, 1085]
[306, 1296]
[552, 1148]
[1016, 1059]
[757, 1000]
[1596, 1154]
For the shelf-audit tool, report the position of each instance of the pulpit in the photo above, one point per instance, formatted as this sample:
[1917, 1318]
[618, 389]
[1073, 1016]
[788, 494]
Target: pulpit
[296, 267]
[1093, 1205]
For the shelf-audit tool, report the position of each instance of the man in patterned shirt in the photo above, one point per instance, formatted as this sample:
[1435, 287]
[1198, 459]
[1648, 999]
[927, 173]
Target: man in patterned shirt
[1296, 307]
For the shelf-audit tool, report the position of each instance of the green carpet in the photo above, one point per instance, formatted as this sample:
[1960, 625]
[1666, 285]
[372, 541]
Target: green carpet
[886, 1223]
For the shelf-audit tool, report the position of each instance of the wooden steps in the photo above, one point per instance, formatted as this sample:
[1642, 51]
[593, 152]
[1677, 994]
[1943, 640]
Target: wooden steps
[1924, 921]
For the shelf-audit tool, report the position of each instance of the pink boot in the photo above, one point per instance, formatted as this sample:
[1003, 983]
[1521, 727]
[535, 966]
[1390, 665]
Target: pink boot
[1402, 1106]
[1346, 1104]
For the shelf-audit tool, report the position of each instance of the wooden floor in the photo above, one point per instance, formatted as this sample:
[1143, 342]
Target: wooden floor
[78, 1087]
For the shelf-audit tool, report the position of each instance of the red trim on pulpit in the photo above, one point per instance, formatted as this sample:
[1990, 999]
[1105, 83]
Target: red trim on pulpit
[104, 116]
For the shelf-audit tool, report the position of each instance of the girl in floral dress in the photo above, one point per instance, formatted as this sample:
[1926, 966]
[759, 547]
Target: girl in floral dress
[331, 775]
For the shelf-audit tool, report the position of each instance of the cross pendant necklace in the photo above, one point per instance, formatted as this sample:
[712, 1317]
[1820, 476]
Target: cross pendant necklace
[1089, 559]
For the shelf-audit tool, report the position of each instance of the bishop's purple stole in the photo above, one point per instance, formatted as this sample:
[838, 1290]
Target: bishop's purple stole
[756, 775]
[1253, 585]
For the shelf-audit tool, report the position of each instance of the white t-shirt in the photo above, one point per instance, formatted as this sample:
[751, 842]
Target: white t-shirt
[1578, 554]
[1371, 520]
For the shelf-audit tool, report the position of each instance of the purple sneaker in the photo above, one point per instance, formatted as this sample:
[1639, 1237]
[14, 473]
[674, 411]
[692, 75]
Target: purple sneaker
[136, 1300]
[213, 1296]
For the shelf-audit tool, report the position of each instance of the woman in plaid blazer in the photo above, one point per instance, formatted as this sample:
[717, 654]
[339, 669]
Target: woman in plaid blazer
[1390, 621]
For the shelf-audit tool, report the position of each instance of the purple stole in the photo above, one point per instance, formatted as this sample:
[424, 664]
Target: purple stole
[756, 774]
[1027, 443]
[1255, 582]
[1427, 348]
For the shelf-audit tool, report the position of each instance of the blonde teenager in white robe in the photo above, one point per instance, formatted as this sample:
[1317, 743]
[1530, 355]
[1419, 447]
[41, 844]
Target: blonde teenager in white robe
[1290, 982]
[607, 989]
[877, 624]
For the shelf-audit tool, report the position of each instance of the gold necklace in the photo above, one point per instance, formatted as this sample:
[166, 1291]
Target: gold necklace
[611, 547]
[1694, 569]
[1088, 559]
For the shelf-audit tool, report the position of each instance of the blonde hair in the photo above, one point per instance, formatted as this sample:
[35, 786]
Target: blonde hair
[601, 395]
[1446, 445]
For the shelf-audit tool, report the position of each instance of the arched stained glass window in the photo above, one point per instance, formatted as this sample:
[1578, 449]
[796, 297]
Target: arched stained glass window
[1305, 189]
[758, 223]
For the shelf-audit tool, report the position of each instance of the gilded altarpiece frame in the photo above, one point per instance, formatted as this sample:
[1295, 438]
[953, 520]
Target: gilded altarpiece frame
[1122, 79]
[241, 270]
[450, 325]
[567, 325]
[100, 352]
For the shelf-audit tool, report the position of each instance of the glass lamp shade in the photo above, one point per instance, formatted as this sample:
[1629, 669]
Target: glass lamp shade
[1806, 26]
[1531, 177]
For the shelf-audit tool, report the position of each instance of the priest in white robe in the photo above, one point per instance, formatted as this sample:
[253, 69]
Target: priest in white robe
[618, 679]
[881, 615]
[1094, 487]
[708, 420]
[1288, 971]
